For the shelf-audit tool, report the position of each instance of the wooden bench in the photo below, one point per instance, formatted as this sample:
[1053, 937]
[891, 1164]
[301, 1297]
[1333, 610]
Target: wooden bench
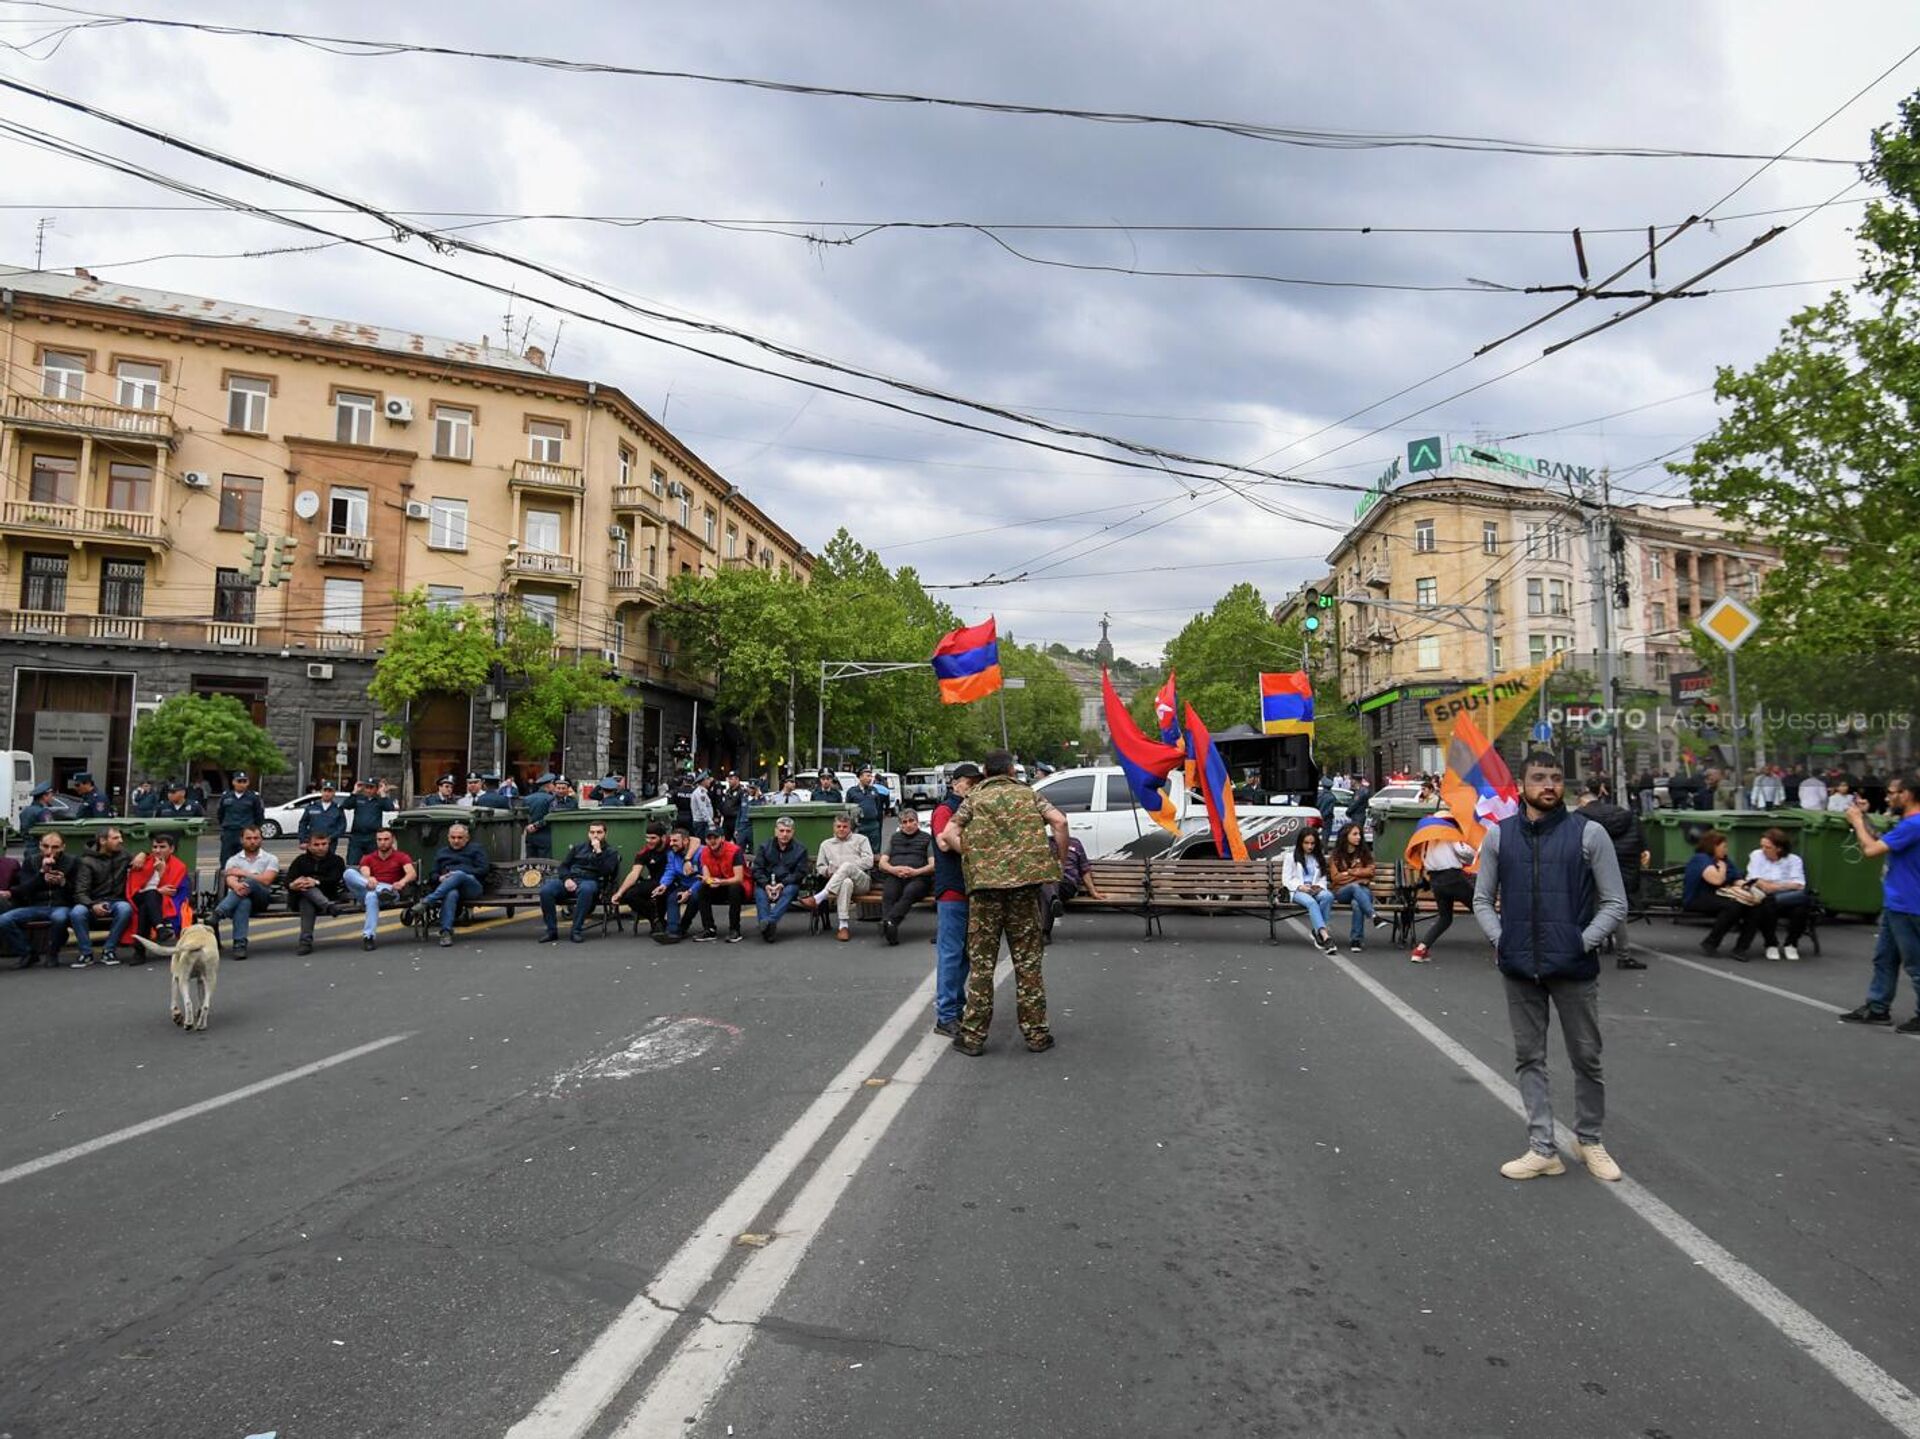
[1660, 893]
[1153, 888]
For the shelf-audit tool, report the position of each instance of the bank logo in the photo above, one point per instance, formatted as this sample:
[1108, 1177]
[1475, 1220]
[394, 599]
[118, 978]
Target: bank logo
[1423, 455]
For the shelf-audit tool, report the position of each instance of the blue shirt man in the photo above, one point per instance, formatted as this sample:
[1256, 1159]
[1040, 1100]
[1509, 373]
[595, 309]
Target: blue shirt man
[680, 884]
[238, 807]
[366, 810]
[539, 805]
[324, 818]
[459, 873]
[1897, 945]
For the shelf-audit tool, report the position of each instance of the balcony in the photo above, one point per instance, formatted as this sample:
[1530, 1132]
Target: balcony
[546, 565]
[60, 624]
[346, 550]
[230, 633]
[538, 475]
[84, 417]
[629, 583]
[636, 499]
[83, 522]
[340, 642]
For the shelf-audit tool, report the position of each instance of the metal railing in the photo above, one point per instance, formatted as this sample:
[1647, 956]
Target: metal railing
[86, 415]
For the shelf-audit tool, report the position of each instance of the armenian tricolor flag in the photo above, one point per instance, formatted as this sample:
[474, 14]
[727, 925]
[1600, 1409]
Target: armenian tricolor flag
[1286, 703]
[967, 664]
[1145, 763]
[1435, 828]
[1217, 789]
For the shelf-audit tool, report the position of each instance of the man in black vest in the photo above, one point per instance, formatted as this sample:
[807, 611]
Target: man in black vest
[1549, 893]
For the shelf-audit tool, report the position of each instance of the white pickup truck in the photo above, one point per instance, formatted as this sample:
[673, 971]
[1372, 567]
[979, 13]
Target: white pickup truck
[1101, 813]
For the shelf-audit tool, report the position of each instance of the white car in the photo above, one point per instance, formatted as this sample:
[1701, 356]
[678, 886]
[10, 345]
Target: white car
[1102, 815]
[285, 818]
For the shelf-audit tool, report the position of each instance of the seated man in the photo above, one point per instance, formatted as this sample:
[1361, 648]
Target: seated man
[1075, 879]
[723, 867]
[382, 874]
[44, 891]
[460, 871]
[846, 861]
[680, 885]
[906, 872]
[248, 880]
[780, 868]
[641, 886]
[587, 869]
[315, 883]
[100, 893]
[160, 888]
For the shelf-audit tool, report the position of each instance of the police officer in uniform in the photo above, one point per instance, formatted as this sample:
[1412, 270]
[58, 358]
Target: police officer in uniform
[366, 811]
[179, 803]
[493, 796]
[1000, 830]
[144, 800]
[472, 795]
[443, 792]
[93, 804]
[326, 817]
[539, 804]
[238, 807]
[615, 792]
[38, 811]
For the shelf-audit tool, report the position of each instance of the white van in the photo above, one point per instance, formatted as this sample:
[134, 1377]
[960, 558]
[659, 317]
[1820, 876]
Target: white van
[19, 765]
[1102, 815]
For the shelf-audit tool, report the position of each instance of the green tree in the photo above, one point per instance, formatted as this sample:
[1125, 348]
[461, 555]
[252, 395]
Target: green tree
[433, 650]
[543, 690]
[188, 732]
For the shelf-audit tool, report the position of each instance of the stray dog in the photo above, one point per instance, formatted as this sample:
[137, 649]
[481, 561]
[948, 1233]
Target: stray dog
[196, 957]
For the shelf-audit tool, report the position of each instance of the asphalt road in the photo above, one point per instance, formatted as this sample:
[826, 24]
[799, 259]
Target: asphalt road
[1244, 1195]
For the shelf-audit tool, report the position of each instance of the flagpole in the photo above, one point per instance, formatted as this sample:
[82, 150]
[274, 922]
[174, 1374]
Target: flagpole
[1003, 717]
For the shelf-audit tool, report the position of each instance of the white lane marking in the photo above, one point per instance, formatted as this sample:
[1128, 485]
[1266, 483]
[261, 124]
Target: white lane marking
[708, 1355]
[598, 1375]
[1887, 1396]
[668, 1040]
[219, 1101]
[1819, 1004]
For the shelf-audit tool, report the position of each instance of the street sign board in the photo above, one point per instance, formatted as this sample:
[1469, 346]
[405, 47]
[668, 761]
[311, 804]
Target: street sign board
[1424, 454]
[1015, 682]
[1542, 732]
[1730, 623]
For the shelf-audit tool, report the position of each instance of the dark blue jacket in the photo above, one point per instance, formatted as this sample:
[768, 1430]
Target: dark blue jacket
[368, 814]
[772, 865]
[582, 863]
[329, 821]
[872, 804]
[949, 872]
[237, 811]
[1547, 898]
[93, 806]
[471, 860]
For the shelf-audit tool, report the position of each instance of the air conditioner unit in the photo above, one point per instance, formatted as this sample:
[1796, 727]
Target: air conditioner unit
[418, 510]
[385, 743]
[666, 659]
[676, 489]
[610, 657]
[399, 409]
[615, 533]
[319, 672]
[197, 480]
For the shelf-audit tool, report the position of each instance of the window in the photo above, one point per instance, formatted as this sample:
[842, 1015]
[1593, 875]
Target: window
[1426, 593]
[1489, 538]
[1536, 649]
[750, 543]
[233, 598]
[1429, 652]
[1533, 540]
[240, 502]
[766, 561]
[43, 583]
[1657, 561]
[783, 569]
[55, 481]
[452, 433]
[340, 607]
[1536, 597]
[136, 385]
[1491, 597]
[130, 488]
[543, 531]
[123, 588]
[1499, 653]
[347, 512]
[686, 508]
[247, 403]
[658, 481]
[446, 524]
[1119, 795]
[63, 376]
[653, 557]
[1423, 537]
[622, 548]
[1073, 795]
[1660, 663]
[1559, 644]
[713, 528]
[1557, 597]
[544, 441]
[353, 418]
[626, 465]
[1659, 608]
[542, 609]
[445, 597]
[733, 541]
[1553, 539]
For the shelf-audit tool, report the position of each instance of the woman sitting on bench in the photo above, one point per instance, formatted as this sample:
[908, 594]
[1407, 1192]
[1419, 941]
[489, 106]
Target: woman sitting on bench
[1710, 872]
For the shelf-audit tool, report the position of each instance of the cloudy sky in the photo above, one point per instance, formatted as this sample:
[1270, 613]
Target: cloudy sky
[1241, 371]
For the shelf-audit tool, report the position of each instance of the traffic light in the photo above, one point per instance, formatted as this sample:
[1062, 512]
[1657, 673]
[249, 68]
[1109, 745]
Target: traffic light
[1315, 603]
[283, 565]
[256, 556]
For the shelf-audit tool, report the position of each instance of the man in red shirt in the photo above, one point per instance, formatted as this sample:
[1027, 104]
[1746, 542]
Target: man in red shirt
[387, 870]
[725, 867]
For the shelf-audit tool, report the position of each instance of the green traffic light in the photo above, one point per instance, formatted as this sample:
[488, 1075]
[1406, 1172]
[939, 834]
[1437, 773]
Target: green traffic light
[1312, 624]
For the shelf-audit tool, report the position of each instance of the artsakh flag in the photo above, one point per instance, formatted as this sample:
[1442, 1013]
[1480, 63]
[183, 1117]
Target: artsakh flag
[1478, 787]
[967, 664]
[1286, 703]
[1217, 789]
[1166, 709]
[1433, 829]
[1145, 763]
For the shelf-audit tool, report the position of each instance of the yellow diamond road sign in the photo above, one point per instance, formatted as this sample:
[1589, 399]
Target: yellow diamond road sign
[1730, 623]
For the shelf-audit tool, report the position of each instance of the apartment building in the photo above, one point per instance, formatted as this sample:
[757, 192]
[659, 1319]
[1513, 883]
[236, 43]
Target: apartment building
[1506, 537]
[145, 437]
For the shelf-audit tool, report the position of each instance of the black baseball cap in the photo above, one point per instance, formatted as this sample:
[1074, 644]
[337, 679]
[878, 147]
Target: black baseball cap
[965, 771]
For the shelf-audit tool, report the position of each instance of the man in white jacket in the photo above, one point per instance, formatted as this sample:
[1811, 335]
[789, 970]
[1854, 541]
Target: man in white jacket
[847, 862]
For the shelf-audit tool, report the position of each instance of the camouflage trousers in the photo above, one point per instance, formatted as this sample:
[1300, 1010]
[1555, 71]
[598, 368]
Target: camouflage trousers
[1016, 914]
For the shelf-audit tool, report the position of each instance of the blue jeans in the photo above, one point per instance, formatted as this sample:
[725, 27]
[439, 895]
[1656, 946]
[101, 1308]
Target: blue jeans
[1319, 907]
[771, 912]
[240, 907]
[681, 905]
[1360, 896]
[1897, 945]
[554, 893]
[119, 921]
[448, 894]
[13, 927]
[368, 892]
[950, 959]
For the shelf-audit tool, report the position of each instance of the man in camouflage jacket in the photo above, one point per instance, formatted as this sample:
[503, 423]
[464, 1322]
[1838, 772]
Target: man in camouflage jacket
[1001, 829]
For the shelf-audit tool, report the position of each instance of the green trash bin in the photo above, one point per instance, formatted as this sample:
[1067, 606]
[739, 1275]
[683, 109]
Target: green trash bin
[1394, 829]
[1671, 834]
[421, 832]
[812, 823]
[626, 826]
[1845, 879]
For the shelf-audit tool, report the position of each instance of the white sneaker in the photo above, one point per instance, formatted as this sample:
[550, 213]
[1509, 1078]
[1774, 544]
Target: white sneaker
[1791, 952]
[1773, 951]
[1599, 1163]
[1532, 1165]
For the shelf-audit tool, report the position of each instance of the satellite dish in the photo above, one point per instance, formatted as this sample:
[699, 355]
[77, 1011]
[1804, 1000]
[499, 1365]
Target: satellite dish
[306, 504]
